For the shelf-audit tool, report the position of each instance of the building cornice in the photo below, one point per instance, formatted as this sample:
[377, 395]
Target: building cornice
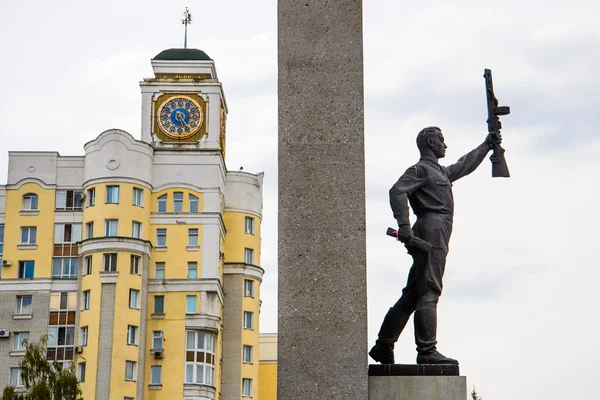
[114, 243]
[186, 285]
[38, 285]
[248, 270]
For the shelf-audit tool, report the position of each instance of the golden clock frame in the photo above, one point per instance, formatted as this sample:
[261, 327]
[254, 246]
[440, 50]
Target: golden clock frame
[160, 100]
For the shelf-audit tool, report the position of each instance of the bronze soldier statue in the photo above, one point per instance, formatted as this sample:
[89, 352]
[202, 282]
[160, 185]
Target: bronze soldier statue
[428, 187]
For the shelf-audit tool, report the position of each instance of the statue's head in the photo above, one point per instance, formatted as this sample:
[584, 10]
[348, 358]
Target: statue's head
[430, 141]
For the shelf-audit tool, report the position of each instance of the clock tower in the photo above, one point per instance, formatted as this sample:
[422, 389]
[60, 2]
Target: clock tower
[183, 105]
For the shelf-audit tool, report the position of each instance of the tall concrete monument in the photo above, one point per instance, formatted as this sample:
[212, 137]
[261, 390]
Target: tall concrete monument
[322, 257]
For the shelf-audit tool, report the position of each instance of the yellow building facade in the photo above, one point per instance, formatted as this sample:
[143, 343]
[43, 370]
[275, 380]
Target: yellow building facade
[141, 258]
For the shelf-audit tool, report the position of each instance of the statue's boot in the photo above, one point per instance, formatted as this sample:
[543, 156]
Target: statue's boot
[425, 337]
[394, 322]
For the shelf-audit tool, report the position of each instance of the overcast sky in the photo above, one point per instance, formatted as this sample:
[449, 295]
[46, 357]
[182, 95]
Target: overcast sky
[520, 303]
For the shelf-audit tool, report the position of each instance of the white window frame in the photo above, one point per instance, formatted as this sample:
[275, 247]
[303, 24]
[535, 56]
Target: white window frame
[90, 200]
[20, 309]
[159, 266]
[111, 227]
[248, 354]
[134, 299]
[18, 340]
[23, 268]
[161, 233]
[135, 264]
[28, 203]
[188, 309]
[154, 311]
[30, 235]
[249, 225]
[246, 387]
[178, 202]
[193, 199]
[136, 229]
[132, 335]
[248, 320]
[87, 265]
[81, 369]
[157, 340]
[193, 237]
[152, 369]
[138, 197]
[19, 378]
[132, 365]
[248, 288]
[200, 372]
[162, 201]
[76, 196]
[110, 262]
[89, 230]
[85, 300]
[83, 335]
[192, 266]
[112, 194]
[249, 256]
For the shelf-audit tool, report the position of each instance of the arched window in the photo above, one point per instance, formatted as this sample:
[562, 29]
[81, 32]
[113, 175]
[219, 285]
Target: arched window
[30, 201]
[178, 202]
[193, 204]
[161, 204]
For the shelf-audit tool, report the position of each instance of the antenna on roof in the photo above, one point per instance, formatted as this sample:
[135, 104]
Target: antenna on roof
[187, 19]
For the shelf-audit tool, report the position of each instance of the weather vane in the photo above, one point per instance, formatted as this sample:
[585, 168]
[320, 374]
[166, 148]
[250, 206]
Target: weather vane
[187, 19]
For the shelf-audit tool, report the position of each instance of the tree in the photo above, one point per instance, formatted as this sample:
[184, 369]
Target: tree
[474, 395]
[43, 380]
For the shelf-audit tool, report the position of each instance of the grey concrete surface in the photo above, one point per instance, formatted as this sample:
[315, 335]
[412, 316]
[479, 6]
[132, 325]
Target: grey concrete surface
[322, 257]
[417, 388]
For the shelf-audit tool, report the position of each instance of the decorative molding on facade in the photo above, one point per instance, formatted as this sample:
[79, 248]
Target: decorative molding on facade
[186, 285]
[114, 243]
[205, 322]
[17, 185]
[25, 286]
[123, 179]
[248, 270]
[108, 277]
[196, 390]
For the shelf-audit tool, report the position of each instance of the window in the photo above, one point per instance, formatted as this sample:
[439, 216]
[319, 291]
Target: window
[248, 288]
[159, 304]
[67, 233]
[61, 327]
[89, 230]
[91, 197]
[128, 398]
[28, 234]
[248, 350]
[30, 202]
[249, 256]
[19, 337]
[161, 237]
[112, 195]
[155, 374]
[24, 304]
[248, 320]
[111, 227]
[246, 387]
[132, 334]
[64, 267]
[130, 370]
[161, 204]
[110, 262]
[157, 340]
[199, 357]
[87, 265]
[136, 229]
[134, 298]
[69, 200]
[177, 202]
[160, 270]
[83, 336]
[192, 270]
[249, 225]
[15, 377]
[81, 371]
[1, 238]
[193, 237]
[193, 204]
[190, 304]
[138, 197]
[85, 300]
[26, 269]
[135, 264]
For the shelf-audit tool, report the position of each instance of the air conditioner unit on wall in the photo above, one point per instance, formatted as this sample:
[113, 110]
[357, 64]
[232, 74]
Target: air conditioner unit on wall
[4, 333]
[79, 349]
[6, 262]
[159, 354]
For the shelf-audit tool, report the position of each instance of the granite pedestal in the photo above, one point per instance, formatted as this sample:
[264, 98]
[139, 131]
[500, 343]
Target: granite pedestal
[416, 382]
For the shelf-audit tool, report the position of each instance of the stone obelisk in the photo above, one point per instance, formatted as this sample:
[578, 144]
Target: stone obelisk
[322, 258]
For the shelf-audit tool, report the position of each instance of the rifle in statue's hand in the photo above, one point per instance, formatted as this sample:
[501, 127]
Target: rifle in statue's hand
[415, 243]
[499, 167]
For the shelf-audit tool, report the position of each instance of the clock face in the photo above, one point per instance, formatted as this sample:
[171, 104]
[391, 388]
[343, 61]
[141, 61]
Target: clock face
[180, 117]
